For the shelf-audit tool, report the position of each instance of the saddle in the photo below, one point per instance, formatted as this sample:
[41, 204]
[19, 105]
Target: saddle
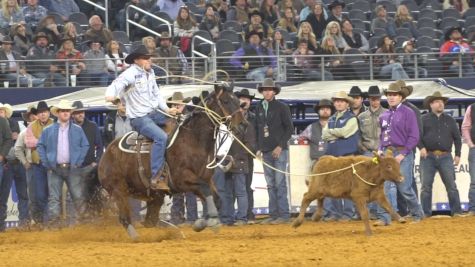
[133, 142]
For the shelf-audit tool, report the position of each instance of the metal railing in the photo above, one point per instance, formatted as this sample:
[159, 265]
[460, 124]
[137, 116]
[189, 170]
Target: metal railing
[211, 59]
[129, 21]
[104, 8]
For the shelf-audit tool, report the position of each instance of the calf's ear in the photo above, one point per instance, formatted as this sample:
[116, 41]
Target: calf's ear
[376, 157]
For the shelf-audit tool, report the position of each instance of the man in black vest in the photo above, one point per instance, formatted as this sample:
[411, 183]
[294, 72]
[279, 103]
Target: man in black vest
[255, 60]
[171, 58]
[274, 128]
[354, 39]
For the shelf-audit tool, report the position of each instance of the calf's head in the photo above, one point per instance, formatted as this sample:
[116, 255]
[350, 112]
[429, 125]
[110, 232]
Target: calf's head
[389, 168]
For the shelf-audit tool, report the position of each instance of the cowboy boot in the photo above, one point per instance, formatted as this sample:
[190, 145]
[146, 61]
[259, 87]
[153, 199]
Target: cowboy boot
[160, 182]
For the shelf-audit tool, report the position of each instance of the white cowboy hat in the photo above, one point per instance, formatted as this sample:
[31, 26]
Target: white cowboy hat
[8, 109]
[62, 105]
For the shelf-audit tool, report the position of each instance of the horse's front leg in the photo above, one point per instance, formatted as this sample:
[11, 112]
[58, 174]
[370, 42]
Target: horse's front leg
[211, 218]
[120, 196]
[153, 210]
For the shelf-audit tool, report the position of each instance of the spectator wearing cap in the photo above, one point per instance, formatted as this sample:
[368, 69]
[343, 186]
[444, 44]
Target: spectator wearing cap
[357, 106]
[73, 58]
[14, 171]
[354, 39]
[63, 8]
[408, 60]
[62, 148]
[274, 128]
[336, 10]
[6, 142]
[317, 20]
[33, 13]
[440, 134]
[238, 12]
[400, 134]
[245, 99]
[258, 62]
[258, 25]
[387, 62]
[171, 57]
[369, 122]
[39, 61]
[97, 31]
[10, 14]
[96, 66]
[184, 28]
[211, 22]
[38, 186]
[342, 136]
[306, 64]
[48, 26]
[313, 133]
[455, 49]
[21, 40]
[382, 20]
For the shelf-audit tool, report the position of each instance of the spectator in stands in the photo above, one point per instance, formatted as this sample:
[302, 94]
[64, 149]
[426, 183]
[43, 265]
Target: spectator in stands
[333, 30]
[460, 5]
[21, 40]
[408, 60]
[133, 13]
[305, 61]
[97, 31]
[317, 20]
[63, 7]
[48, 26]
[454, 49]
[171, 57]
[211, 22]
[239, 12]
[382, 20]
[96, 66]
[283, 5]
[305, 32]
[171, 7]
[260, 63]
[258, 25]
[223, 9]
[307, 10]
[279, 45]
[70, 32]
[74, 59]
[288, 22]
[184, 28]
[151, 45]
[115, 58]
[336, 9]
[404, 19]
[436, 153]
[10, 14]
[332, 64]
[269, 11]
[354, 40]
[33, 13]
[387, 61]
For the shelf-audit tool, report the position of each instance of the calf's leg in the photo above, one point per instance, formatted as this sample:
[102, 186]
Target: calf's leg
[317, 216]
[384, 203]
[307, 199]
[361, 205]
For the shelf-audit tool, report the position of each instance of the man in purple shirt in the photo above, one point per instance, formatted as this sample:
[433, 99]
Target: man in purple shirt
[257, 61]
[400, 133]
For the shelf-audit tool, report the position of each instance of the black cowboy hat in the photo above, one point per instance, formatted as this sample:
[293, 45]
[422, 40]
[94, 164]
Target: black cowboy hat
[451, 30]
[78, 106]
[26, 115]
[40, 35]
[324, 103]
[7, 40]
[268, 83]
[255, 12]
[251, 33]
[139, 51]
[435, 96]
[356, 91]
[94, 40]
[336, 3]
[244, 93]
[373, 91]
[41, 106]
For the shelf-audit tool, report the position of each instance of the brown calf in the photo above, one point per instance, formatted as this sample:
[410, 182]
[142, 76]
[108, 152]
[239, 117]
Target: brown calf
[363, 184]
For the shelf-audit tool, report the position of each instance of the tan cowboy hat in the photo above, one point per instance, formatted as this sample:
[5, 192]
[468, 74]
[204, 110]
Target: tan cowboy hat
[269, 83]
[435, 96]
[343, 96]
[178, 97]
[395, 87]
[405, 87]
[8, 109]
[62, 105]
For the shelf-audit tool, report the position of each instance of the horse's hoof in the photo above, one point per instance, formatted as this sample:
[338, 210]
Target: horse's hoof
[214, 224]
[148, 224]
[199, 225]
[401, 220]
[132, 232]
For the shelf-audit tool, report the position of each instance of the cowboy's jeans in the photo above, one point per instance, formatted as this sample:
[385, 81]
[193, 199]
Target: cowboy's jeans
[38, 189]
[15, 172]
[148, 126]
[471, 191]
[445, 165]
[277, 185]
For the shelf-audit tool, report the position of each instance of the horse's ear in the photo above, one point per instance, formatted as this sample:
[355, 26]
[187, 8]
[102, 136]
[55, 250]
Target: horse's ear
[218, 87]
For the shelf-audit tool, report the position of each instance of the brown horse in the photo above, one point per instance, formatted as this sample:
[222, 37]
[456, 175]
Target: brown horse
[187, 159]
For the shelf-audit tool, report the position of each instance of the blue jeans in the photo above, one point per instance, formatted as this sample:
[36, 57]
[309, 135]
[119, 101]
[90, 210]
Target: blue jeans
[390, 191]
[226, 206]
[259, 74]
[277, 184]
[471, 190]
[148, 126]
[237, 188]
[5, 185]
[405, 187]
[16, 172]
[338, 208]
[394, 70]
[179, 201]
[75, 184]
[38, 187]
[445, 165]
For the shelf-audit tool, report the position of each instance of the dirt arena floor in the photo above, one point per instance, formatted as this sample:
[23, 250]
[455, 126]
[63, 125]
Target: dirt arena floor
[433, 242]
